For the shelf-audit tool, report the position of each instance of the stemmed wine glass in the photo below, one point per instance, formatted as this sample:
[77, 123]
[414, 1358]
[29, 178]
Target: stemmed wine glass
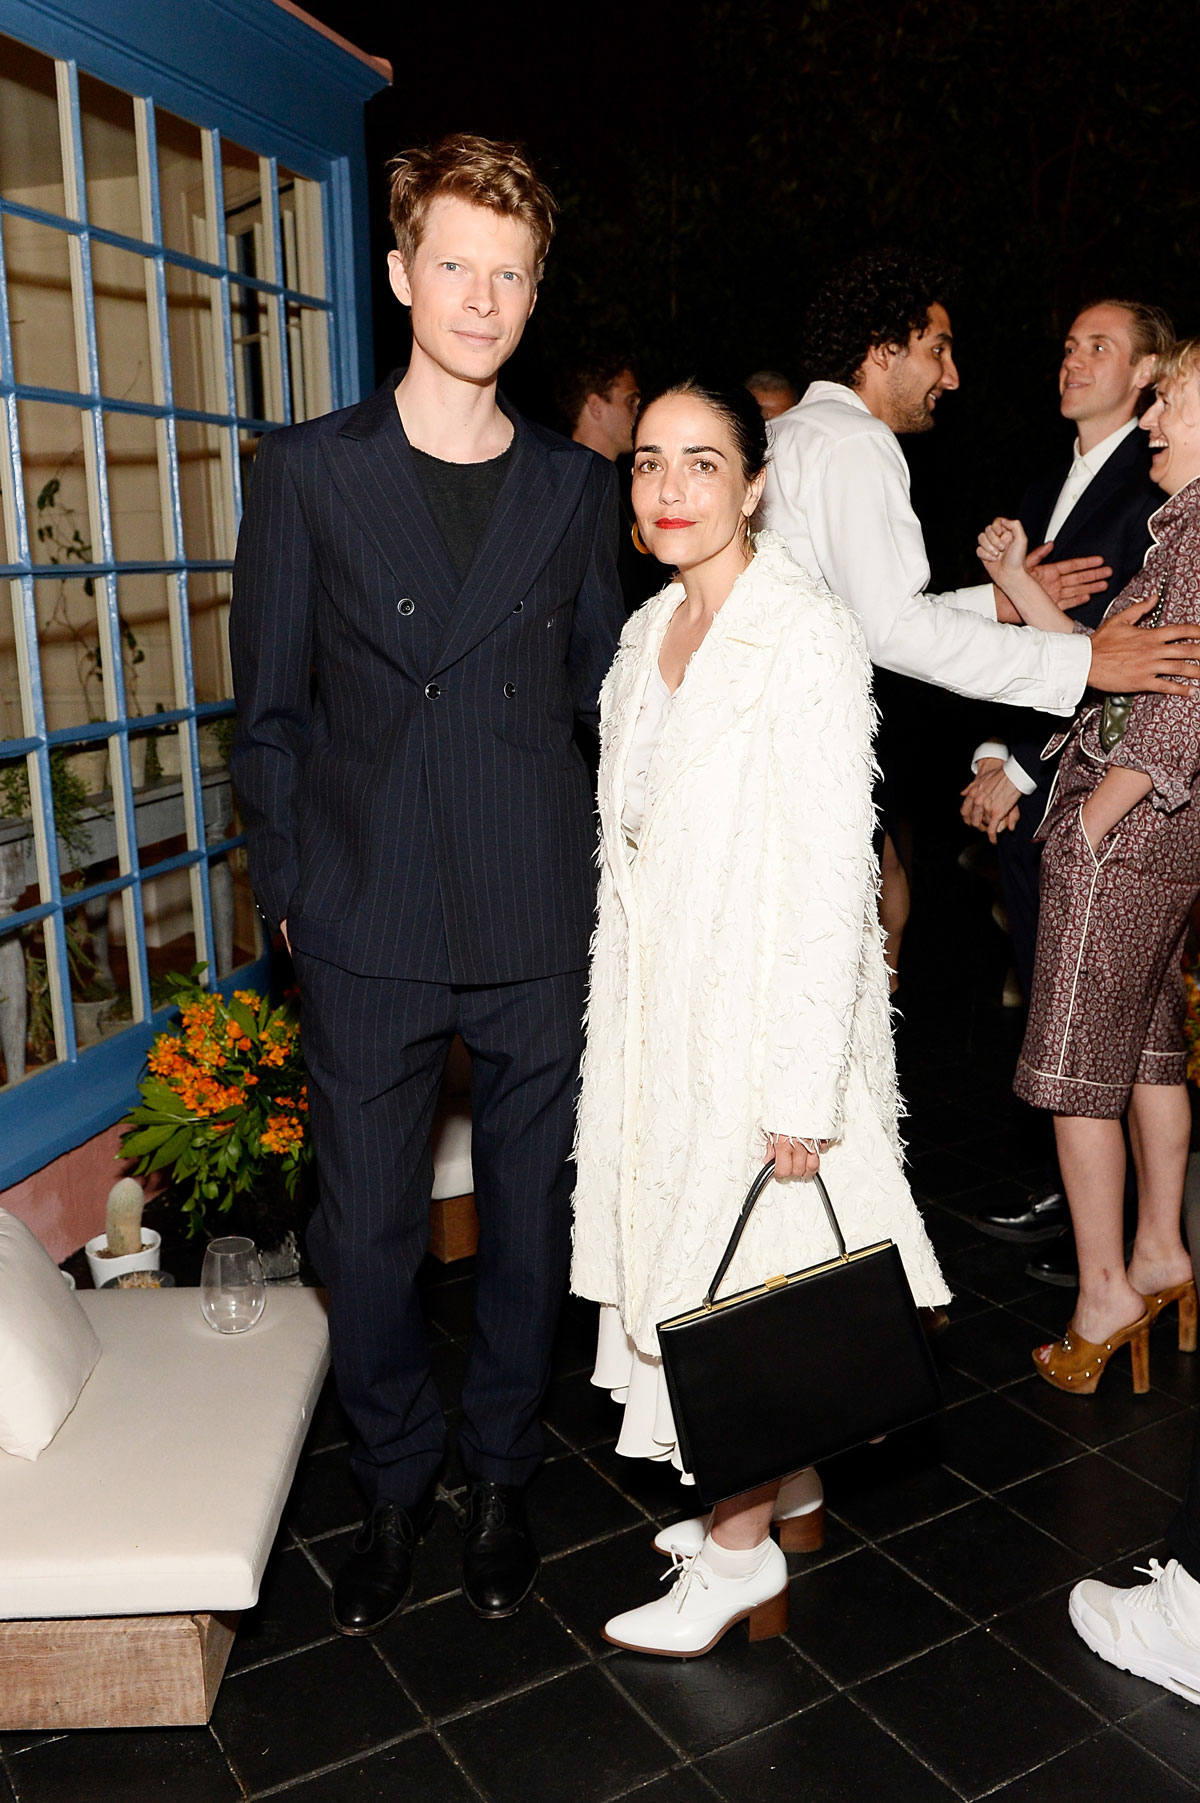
[232, 1288]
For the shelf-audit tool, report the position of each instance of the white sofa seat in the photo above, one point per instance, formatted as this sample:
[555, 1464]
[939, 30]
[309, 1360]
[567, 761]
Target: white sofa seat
[163, 1489]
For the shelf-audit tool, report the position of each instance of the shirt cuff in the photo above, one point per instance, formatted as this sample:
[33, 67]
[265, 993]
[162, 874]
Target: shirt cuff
[980, 599]
[991, 748]
[1071, 657]
[1018, 776]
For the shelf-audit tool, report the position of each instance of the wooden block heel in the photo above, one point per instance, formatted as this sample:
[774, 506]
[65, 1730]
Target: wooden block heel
[769, 1618]
[803, 1533]
[1077, 1365]
[1184, 1297]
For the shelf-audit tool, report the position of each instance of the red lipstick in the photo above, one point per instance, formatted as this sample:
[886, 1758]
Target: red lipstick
[668, 525]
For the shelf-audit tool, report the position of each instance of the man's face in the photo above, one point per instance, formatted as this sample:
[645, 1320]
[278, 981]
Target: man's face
[613, 413]
[919, 374]
[1099, 377]
[471, 288]
[774, 401]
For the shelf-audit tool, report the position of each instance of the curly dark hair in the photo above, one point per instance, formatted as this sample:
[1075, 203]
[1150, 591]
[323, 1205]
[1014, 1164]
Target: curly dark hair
[882, 297]
[596, 376]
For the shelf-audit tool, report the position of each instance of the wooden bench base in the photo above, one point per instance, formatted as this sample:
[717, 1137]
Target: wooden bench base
[453, 1228]
[125, 1671]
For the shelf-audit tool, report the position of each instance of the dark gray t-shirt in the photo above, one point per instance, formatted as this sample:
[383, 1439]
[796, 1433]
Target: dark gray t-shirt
[461, 497]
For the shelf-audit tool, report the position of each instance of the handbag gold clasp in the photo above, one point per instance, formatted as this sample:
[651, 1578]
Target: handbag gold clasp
[774, 1283]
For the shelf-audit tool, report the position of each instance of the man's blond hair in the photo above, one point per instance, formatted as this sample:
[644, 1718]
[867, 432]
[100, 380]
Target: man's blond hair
[497, 176]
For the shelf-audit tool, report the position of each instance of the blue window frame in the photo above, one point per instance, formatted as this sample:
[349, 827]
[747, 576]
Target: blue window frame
[180, 272]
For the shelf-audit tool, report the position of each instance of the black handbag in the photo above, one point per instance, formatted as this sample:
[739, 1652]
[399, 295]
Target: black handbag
[803, 1366]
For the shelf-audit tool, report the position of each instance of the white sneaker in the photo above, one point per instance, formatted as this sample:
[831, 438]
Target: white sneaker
[700, 1607]
[1152, 1630]
[799, 1511]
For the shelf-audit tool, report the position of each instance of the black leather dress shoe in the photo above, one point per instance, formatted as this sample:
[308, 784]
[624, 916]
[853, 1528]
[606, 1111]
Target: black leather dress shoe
[374, 1582]
[1058, 1264]
[1042, 1216]
[500, 1561]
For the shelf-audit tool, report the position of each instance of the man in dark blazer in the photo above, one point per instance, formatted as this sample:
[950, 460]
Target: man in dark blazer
[426, 601]
[1096, 501]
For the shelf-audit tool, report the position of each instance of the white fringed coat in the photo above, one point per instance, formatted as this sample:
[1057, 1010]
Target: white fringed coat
[737, 980]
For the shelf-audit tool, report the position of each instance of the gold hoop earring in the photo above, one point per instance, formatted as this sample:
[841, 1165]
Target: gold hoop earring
[638, 545]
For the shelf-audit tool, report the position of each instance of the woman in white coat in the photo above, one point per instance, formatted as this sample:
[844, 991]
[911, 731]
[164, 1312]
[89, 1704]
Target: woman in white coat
[738, 1005]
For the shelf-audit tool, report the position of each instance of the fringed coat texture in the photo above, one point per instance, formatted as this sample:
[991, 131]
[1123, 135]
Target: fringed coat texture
[737, 983]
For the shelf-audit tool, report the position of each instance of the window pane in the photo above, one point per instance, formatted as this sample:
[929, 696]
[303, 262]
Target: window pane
[143, 602]
[303, 234]
[83, 818]
[170, 927]
[181, 186]
[197, 355]
[56, 490]
[242, 179]
[119, 283]
[40, 303]
[208, 609]
[12, 720]
[110, 158]
[134, 489]
[18, 878]
[72, 664]
[30, 150]
[255, 352]
[205, 491]
[308, 361]
[93, 990]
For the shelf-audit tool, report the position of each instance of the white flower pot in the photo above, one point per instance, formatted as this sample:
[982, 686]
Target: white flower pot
[104, 1268]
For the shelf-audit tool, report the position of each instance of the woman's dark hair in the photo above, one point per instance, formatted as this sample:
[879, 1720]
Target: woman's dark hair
[735, 405]
[880, 298]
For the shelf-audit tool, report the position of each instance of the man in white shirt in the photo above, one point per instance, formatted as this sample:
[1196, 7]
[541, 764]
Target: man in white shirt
[1098, 498]
[878, 337]
[838, 491]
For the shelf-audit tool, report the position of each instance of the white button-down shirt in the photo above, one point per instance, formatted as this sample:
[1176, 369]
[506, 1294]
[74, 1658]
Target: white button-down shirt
[838, 491]
[1084, 467]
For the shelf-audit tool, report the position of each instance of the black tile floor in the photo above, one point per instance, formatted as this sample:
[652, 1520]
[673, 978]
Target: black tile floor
[929, 1654]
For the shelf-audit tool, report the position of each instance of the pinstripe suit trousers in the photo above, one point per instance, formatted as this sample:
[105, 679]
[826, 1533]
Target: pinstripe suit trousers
[376, 1050]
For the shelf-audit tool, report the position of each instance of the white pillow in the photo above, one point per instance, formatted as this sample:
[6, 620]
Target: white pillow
[47, 1344]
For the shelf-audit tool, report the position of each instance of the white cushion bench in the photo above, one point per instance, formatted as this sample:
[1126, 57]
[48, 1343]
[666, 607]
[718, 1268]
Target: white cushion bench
[131, 1545]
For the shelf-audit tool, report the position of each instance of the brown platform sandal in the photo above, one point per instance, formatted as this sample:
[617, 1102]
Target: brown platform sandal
[1185, 1295]
[1077, 1365]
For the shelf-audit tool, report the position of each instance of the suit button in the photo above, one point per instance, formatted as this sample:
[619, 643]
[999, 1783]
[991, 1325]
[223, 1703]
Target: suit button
[510, 689]
[432, 691]
[406, 606]
[519, 608]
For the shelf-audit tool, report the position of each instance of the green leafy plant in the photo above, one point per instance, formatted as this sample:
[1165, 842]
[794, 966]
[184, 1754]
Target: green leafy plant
[224, 1103]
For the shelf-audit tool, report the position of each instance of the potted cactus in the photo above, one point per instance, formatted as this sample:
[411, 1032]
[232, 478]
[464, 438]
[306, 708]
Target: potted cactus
[125, 1245]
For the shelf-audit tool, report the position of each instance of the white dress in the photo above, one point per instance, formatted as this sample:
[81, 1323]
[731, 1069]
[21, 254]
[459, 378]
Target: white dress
[635, 1378]
[737, 982]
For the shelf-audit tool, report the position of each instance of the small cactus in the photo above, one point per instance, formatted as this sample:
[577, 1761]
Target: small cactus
[123, 1217]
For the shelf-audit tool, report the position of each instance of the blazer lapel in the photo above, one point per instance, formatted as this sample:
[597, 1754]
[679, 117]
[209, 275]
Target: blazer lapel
[1112, 475]
[1039, 501]
[371, 463]
[532, 512]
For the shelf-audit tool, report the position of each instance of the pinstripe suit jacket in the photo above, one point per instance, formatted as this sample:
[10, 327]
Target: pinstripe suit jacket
[404, 761]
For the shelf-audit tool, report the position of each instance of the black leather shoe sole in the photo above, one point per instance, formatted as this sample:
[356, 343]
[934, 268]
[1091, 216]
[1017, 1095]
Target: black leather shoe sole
[373, 1627]
[509, 1608]
[1025, 1235]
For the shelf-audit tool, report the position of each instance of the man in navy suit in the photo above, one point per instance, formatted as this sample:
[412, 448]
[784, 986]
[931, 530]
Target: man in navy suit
[1096, 501]
[426, 601]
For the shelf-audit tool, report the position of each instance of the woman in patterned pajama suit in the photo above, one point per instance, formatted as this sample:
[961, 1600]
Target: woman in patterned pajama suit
[1120, 874]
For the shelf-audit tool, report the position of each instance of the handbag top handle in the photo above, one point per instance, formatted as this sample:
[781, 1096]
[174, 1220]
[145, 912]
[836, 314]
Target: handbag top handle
[755, 1191]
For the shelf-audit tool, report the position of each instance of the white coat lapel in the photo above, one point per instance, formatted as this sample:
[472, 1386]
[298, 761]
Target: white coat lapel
[725, 680]
[620, 704]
